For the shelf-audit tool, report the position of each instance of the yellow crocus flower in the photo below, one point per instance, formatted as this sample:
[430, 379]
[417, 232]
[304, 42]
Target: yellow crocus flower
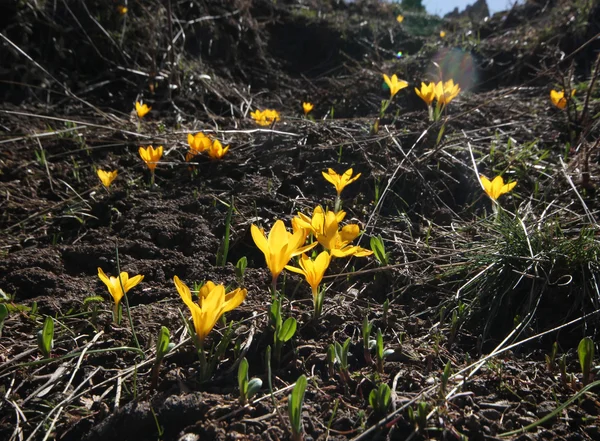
[199, 142]
[213, 303]
[394, 84]
[216, 150]
[312, 270]
[558, 98]
[427, 92]
[446, 92]
[107, 177]
[497, 187]
[233, 299]
[151, 156]
[307, 107]
[316, 223]
[265, 117]
[280, 246]
[340, 181]
[442, 34]
[141, 109]
[400, 18]
[114, 285]
[122, 10]
[325, 227]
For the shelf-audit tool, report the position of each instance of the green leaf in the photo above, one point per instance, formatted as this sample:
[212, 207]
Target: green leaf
[46, 337]
[243, 377]
[296, 400]
[254, 386]
[288, 329]
[585, 350]
[3, 315]
[162, 343]
[240, 267]
[378, 249]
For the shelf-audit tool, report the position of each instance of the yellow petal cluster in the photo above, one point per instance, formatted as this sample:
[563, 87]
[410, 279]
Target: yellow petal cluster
[442, 34]
[558, 98]
[212, 304]
[427, 92]
[122, 10]
[141, 109]
[394, 84]
[216, 150]
[307, 107]
[400, 18]
[201, 143]
[198, 142]
[151, 156]
[340, 181]
[265, 117]
[280, 245]
[312, 270]
[497, 187]
[446, 92]
[114, 285]
[106, 177]
[325, 227]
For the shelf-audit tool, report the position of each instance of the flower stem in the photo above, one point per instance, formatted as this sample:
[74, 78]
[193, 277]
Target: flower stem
[338, 203]
[135, 339]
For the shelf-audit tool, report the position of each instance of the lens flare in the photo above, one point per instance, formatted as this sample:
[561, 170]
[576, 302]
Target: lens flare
[454, 64]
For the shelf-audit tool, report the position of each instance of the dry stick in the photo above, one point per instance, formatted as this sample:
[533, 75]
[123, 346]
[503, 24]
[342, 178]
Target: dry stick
[99, 126]
[58, 408]
[78, 365]
[584, 205]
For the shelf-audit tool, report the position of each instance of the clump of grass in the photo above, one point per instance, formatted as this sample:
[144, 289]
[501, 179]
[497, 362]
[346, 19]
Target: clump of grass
[522, 264]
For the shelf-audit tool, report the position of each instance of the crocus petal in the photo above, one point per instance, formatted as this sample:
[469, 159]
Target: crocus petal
[497, 185]
[508, 187]
[185, 293]
[234, 299]
[350, 232]
[261, 242]
[205, 289]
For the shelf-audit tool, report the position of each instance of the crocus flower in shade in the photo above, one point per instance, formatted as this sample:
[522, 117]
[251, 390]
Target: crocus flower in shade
[114, 286]
[394, 84]
[280, 246]
[400, 18]
[307, 107]
[559, 99]
[265, 117]
[211, 305]
[313, 270]
[122, 10]
[442, 34]
[427, 92]
[151, 156]
[141, 109]
[497, 187]
[199, 142]
[106, 177]
[216, 150]
[446, 92]
[340, 181]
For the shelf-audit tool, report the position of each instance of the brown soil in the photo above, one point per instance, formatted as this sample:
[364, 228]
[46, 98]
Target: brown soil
[58, 224]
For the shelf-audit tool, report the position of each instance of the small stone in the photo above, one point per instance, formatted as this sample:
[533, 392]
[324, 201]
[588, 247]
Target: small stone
[491, 414]
[189, 437]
